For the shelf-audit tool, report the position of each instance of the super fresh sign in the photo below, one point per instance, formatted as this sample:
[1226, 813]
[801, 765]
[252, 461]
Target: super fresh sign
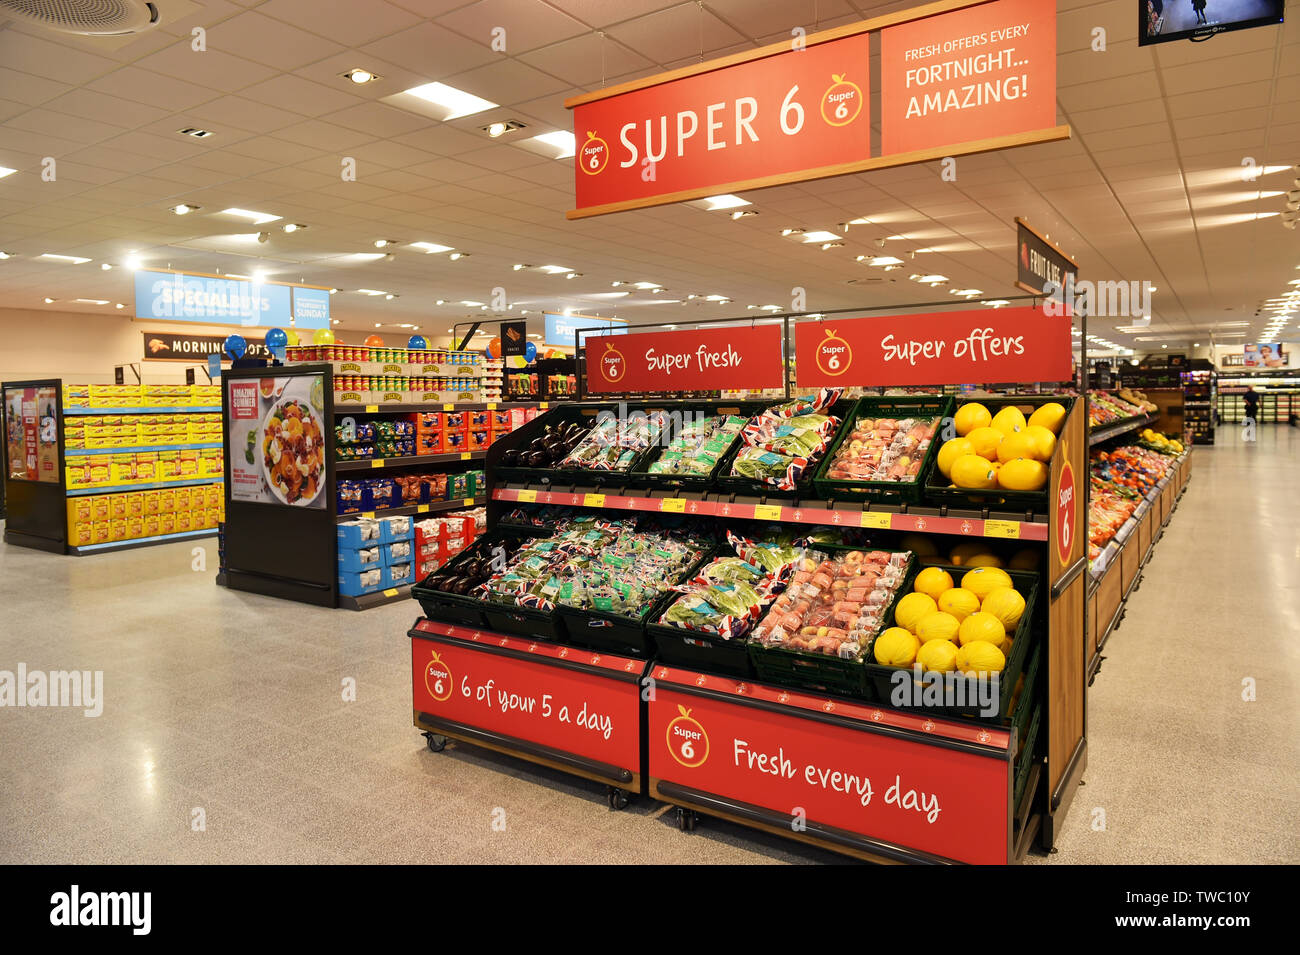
[178, 297]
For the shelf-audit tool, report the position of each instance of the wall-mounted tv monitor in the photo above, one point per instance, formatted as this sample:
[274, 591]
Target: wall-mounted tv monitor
[1160, 21]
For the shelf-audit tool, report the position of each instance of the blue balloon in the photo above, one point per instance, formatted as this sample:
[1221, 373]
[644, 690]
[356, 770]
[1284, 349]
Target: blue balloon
[417, 342]
[276, 338]
[530, 352]
[236, 346]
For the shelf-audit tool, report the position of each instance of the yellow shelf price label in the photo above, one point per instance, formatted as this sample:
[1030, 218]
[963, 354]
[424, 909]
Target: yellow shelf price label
[767, 512]
[676, 505]
[593, 500]
[368, 515]
[390, 592]
[465, 455]
[527, 497]
[469, 502]
[448, 407]
[877, 520]
[491, 406]
[371, 409]
[1009, 529]
[422, 508]
[376, 462]
[544, 405]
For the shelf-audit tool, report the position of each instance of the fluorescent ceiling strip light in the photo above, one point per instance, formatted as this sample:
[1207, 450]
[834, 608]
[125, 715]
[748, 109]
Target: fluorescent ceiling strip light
[560, 140]
[431, 247]
[725, 202]
[257, 217]
[74, 259]
[458, 103]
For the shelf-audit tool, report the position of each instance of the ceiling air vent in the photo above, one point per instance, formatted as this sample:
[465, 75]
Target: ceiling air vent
[83, 17]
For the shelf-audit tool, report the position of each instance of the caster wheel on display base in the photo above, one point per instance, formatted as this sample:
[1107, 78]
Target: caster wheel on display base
[617, 798]
[686, 819]
[436, 743]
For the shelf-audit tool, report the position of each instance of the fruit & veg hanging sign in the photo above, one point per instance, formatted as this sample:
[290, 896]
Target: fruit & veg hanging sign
[767, 118]
[959, 77]
[567, 709]
[937, 348]
[688, 360]
[947, 802]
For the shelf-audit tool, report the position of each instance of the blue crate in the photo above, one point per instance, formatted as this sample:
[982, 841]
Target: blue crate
[388, 558]
[351, 560]
[387, 532]
[350, 584]
[349, 537]
[400, 575]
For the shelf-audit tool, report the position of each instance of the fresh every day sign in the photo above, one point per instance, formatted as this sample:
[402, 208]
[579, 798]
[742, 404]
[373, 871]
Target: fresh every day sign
[695, 360]
[182, 297]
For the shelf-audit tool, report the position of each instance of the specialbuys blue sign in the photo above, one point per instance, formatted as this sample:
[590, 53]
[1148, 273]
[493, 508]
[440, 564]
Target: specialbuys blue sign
[560, 328]
[177, 297]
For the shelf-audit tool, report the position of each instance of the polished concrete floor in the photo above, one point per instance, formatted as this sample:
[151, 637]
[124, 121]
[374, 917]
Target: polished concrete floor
[225, 737]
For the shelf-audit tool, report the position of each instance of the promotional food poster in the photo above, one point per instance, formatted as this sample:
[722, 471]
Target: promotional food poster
[32, 434]
[277, 445]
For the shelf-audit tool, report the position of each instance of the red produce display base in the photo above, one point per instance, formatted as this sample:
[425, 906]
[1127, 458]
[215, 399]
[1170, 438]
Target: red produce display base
[864, 780]
[573, 710]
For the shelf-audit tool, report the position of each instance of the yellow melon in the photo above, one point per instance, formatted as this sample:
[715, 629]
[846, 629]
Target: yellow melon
[896, 647]
[985, 442]
[960, 603]
[950, 452]
[938, 655]
[938, 626]
[911, 608]
[1009, 420]
[980, 658]
[984, 580]
[932, 581]
[974, 472]
[971, 416]
[1051, 416]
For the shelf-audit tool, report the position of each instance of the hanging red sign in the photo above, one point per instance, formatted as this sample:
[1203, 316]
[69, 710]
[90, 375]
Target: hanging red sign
[696, 360]
[969, 75]
[938, 348]
[796, 109]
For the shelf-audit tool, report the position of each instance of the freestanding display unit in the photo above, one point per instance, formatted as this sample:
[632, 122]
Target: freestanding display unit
[857, 776]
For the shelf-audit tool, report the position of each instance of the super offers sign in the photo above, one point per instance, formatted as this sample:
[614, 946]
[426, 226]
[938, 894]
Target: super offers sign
[940, 348]
[958, 77]
[706, 360]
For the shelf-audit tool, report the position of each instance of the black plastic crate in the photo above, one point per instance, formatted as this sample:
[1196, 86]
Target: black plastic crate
[640, 476]
[459, 609]
[530, 622]
[893, 492]
[816, 671]
[804, 488]
[585, 414]
[696, 649]
[1025, 760]
[1026, 583]
[937, 490]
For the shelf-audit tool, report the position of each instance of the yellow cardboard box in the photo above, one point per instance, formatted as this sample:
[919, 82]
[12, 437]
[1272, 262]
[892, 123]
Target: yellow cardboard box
[166, 501]
[99, 508]
[117, 530]
[134, 528]
[166, 523]
[79, 535]
[151, 525]
[99, 532]
[184, 521]
[151, 503]
[116, 507]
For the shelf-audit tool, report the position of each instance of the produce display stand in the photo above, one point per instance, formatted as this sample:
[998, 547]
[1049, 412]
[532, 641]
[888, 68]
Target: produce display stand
[38, 513]
[1116, 573]
[579, 711]
[724, 746]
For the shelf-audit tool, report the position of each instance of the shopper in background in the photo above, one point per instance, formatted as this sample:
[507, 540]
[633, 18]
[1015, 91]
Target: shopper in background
[1199, 7]
[1252, 403]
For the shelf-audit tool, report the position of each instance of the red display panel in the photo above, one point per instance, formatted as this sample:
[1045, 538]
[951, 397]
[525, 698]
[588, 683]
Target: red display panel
[566, 709]
[693, 360]
[969, 75]
[937, 348]
[784, 116]
[924, 797]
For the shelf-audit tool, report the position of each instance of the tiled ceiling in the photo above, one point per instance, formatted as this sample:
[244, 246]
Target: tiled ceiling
[1149, 188]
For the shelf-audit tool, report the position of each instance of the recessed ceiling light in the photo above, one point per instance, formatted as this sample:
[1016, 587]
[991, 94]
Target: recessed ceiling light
[6, 171]
[574, 275]
[880, 261]
[741, 213]
[455, 256]
[554, 269]
[74, 259]
[91, 301]
[294, 227]
[430, 247]
[49, 301]
[185, 209]
[456, 102]
[832, 245]
[647, 285]
[119, 305]
[6, 255]
[389, 297]
[105, 267]
[333, 291]
[257, 217]
[471, 304]
[360, 77]
[500, 128]
[384, 243]
[560, 140]
[195, 132]
[371, 291]
[132, 262]
[997, 302]
[785, 232]
[819, 235]
[930, 279]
